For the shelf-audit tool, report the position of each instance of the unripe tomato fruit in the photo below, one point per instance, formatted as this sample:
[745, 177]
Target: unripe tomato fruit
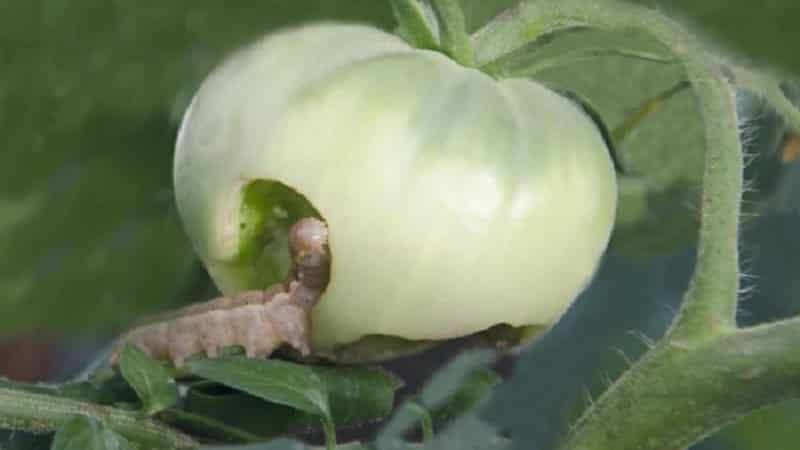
[454, 201]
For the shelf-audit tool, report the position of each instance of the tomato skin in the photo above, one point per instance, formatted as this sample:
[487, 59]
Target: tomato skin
[454, 201]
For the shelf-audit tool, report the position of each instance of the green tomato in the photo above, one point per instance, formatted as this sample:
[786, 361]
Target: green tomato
[455, 201]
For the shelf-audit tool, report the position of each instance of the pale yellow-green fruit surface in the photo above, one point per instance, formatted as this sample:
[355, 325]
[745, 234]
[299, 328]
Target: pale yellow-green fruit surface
[454, 201]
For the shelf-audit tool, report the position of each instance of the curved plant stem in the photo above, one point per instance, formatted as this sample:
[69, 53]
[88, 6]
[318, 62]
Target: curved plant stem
[704, 373]
[455, 40]
[43, 413]
[415, 24]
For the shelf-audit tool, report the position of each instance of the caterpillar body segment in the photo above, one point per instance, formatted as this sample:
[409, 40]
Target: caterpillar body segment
[260, 321]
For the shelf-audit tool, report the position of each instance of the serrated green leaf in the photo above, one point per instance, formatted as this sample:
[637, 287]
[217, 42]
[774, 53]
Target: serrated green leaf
[151, 380]
[86, 433]
[282, 382]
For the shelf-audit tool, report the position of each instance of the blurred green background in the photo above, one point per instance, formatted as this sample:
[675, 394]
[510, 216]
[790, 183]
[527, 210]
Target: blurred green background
[91, 94]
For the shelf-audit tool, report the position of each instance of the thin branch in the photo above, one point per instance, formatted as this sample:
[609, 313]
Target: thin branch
[330, 433]
[455, 40]
[37, 412]
[416, 25]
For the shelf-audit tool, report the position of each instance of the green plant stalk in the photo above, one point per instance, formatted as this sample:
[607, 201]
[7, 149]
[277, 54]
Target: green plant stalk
[455, 40]
[329, 429]
[413, 23]
[42, 413]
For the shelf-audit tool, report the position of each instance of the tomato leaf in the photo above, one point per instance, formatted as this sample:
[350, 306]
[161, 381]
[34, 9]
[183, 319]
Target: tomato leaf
[151, 380]
[86, 433]
[285, 383]
[357, 395]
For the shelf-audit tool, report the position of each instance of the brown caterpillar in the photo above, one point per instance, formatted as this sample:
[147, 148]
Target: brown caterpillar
[259, 321]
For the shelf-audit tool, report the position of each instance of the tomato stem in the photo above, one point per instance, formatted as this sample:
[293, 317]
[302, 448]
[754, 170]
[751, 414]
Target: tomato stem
[416, 23]
[455, 40]
[38, 412]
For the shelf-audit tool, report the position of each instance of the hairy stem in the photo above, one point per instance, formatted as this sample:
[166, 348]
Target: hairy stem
[455, 40]
[43, 413]
[693, 392]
